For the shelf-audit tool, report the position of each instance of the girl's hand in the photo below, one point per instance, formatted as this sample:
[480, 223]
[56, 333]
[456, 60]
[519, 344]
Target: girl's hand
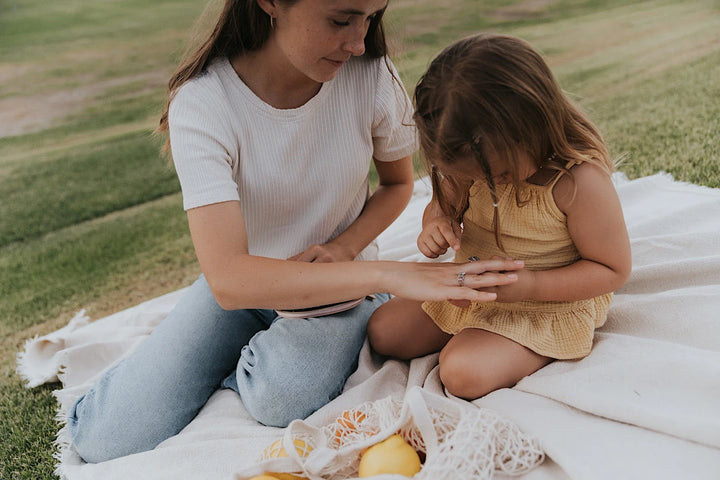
[438, 234]
[324, 253]
[443, 281]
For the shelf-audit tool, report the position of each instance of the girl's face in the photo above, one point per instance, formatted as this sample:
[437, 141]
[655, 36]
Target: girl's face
[470, 169]
[316, 37]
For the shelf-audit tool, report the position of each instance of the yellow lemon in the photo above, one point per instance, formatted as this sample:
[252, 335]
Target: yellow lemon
[284, 476]
[276, 450]
[393, 455]
[264, 477]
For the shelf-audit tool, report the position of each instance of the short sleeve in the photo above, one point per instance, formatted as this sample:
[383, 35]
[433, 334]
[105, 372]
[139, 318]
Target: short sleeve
[393, 129]
[204, 149]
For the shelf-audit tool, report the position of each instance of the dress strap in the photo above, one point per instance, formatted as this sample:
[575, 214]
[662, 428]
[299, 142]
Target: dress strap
[568, 165]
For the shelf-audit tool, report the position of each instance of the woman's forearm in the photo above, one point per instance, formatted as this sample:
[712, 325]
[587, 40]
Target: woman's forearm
[258, 282]
[381, 209]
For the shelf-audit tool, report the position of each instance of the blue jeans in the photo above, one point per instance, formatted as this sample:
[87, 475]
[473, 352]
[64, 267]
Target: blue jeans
[283, 369]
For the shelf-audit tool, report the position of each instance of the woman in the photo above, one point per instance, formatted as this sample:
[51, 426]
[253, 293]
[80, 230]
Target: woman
[272, 123]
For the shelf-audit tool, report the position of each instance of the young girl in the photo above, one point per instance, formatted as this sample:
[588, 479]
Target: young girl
[274, 121]
[518, 171]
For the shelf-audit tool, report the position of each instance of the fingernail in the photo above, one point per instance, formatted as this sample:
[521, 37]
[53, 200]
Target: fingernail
[512, 276]
[519, 262]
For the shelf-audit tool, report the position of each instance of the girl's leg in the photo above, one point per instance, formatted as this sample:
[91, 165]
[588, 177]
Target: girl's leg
[298, 365]
[401, 329]
[159, 388]
[476, 362]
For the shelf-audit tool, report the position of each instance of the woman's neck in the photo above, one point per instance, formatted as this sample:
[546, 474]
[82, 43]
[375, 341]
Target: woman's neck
[273, 81]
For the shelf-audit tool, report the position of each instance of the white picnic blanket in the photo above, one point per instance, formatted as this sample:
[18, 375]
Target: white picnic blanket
[644, 404]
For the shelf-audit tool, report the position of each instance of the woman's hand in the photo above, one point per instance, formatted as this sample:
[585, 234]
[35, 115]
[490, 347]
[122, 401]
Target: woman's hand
[438, 234]
[324, 253]
[518, 291]
[446, 281]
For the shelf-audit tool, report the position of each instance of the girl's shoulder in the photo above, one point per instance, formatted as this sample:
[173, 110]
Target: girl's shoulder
[582, 180]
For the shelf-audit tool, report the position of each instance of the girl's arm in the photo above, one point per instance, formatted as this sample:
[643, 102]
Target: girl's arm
[597, 227]
[381, 209]
[439, 232]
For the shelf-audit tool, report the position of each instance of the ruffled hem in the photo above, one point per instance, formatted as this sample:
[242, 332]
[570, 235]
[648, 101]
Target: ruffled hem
[564, 334]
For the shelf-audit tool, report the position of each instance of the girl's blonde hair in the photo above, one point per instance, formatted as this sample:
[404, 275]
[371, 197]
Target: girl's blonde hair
[495, 93]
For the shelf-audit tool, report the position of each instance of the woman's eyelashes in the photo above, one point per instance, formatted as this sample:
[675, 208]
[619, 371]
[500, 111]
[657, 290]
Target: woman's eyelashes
[347, 21]
[341, 23]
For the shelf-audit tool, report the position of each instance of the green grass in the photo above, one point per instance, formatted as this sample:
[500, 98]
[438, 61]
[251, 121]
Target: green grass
[81, 183]
[90, 214]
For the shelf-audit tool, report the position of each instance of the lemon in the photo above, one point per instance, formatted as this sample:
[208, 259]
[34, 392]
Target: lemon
[276, 450]
[393, 455]
[283, 476]
[264, 477]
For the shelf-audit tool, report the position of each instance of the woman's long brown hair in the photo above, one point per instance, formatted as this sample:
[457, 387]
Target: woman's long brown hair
[495, 93]
[241, 27]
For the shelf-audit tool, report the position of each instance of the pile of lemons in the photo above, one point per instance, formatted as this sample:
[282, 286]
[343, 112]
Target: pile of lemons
[391, 456]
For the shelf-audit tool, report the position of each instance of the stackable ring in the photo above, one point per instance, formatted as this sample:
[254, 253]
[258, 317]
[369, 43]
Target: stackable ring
[461, 279]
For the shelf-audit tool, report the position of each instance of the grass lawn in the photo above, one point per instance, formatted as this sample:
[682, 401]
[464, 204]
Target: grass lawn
[91, 216]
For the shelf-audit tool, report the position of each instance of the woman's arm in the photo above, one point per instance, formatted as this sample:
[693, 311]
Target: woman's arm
[382, 208]
[597, 227]
[241, 280]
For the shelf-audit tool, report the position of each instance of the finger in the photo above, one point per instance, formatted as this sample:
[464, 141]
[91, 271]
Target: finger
[448, 236]
[453, 234]
[306, 256]
[439, 239]
[498, 257]
[459, 294]
[427, 252]
[432, 247]
[458, 231]
[494, 264]
[489, 279]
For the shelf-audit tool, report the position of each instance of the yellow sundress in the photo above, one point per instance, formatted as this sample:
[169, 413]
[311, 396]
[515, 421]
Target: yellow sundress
[536, 233]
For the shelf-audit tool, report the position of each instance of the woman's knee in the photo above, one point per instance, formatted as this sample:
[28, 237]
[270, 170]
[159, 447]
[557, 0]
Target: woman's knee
[277, 403]
[278, 387]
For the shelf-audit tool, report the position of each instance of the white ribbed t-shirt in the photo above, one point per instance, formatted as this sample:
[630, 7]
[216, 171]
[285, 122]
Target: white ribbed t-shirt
[300, 175]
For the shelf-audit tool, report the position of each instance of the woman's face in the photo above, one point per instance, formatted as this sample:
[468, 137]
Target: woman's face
[316, 37]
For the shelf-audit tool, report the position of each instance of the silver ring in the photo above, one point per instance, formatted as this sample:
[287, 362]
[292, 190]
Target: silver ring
[461, 279]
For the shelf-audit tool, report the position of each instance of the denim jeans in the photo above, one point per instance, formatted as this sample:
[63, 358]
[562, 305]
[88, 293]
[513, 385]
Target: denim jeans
[283, 369]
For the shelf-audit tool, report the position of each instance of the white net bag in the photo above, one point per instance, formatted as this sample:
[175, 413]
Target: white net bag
[456, 440]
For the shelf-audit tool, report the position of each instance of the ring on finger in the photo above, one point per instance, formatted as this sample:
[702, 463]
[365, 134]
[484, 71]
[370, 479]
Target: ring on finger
[461, 279]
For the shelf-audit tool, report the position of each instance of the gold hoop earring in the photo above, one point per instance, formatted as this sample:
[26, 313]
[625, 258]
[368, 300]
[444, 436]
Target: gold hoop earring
[272, 22]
